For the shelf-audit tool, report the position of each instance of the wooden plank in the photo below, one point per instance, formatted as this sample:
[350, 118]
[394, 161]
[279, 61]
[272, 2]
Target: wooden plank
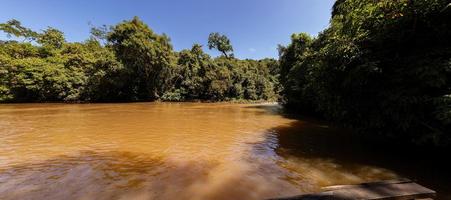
[398, 191]
[316, 196]
[387, 182]
[382, 190]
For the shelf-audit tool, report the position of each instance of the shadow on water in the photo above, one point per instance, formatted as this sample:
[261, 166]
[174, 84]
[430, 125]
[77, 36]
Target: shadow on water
[310, 140]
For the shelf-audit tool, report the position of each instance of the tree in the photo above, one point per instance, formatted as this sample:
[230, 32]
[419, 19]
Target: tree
[55, 70]
[290, 55]
[220, 43]
[382, 67]
[99, 33]
[146, 56]
[52, 38]
[14, 28]
[125, 62]
[189, 75]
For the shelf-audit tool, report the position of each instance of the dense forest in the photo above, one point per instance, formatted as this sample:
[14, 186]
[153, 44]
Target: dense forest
[382, 67]
[126, 62]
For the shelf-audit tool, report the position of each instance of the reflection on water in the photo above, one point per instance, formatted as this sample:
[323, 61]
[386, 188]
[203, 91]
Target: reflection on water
[171, 151]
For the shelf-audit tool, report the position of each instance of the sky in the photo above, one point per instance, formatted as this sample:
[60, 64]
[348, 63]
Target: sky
[255, 27]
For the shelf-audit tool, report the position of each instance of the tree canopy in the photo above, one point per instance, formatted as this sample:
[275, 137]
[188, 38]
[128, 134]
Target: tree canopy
[220, 43]
[382, 67]
[125, 62]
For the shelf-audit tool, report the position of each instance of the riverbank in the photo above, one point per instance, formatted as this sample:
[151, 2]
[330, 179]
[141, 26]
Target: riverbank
[237, 101]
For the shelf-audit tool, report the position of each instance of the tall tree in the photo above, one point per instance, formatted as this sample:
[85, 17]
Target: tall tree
[220, 43]
[146, 55]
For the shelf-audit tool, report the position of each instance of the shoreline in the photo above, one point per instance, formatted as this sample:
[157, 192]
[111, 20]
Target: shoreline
[156, 101]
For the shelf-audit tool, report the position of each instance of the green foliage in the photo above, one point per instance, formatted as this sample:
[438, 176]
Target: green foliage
[126, 62]
[174, 95]
[199, 77]
[189, 76]
[14, 28]
[382, 67]
[56, 70]
[221, 43]
[101, 71]
[52, 38]
[146, 56]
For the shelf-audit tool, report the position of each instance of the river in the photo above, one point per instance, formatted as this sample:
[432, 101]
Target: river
[182, 151]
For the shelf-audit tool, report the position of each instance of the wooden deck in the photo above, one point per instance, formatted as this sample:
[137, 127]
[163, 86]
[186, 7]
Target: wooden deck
[387, 190]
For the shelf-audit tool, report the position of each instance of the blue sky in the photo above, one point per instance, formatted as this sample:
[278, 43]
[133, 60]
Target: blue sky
[255, 27]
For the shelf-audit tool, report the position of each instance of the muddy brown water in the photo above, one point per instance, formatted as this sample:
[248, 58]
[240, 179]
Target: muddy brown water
[180, 151]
